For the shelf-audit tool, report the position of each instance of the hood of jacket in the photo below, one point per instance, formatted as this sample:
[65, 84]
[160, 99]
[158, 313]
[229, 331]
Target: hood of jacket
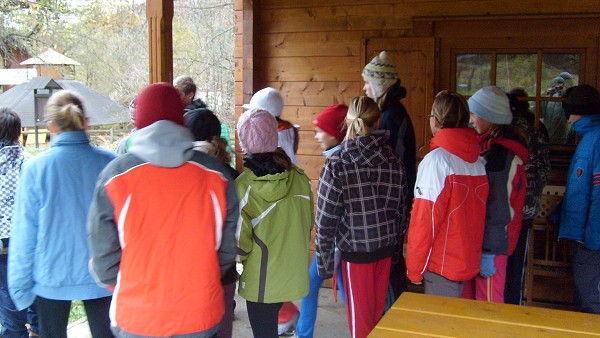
[11, 153]
[163, 144]
[461, 142]
[586, 124]
[272, 187]
[368, 151]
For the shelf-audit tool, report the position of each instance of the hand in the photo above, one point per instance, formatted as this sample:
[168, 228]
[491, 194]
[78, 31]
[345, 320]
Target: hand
[417, 283]
[487, 268]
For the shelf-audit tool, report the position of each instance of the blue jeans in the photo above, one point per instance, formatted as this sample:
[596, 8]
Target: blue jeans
[308, 309]
[13, 321]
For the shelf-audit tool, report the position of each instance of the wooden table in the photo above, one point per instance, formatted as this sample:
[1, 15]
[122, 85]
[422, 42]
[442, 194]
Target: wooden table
[416, 314]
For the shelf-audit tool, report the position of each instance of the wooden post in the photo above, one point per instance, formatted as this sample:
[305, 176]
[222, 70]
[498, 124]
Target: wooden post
[159, 14]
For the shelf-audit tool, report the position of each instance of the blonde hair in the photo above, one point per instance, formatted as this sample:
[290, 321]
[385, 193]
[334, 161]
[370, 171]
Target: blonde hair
[451, 110]
[363, 114]
[65, 109]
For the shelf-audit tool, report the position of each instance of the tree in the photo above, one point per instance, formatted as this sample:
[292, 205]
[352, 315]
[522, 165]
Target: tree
[110, 40]
[24, 24]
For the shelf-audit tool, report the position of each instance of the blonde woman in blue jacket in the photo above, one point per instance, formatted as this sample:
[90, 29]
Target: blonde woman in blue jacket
[48, 260]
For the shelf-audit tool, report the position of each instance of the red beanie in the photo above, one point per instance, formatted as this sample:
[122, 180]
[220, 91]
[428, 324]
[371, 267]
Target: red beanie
[331, 121]
[158, 101]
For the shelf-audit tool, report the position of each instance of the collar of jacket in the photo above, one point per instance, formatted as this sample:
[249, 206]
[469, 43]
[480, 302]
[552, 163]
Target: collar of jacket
[262, 164]
[70, 137]
[327, 153]
[586, 124]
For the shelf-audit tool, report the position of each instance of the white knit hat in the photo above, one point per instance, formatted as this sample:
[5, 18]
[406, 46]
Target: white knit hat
[380, 74]
[491, 104]
[267, 99]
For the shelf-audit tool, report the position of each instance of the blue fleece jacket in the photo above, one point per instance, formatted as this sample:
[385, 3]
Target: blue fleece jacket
[49, 253]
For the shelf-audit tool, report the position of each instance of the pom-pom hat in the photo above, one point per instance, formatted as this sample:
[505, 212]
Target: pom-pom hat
[491, 104]
[158, 101]
[380, 74]
[257, 132]
[268, 99]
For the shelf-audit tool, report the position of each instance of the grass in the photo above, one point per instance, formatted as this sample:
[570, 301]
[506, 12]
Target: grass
[77, 311]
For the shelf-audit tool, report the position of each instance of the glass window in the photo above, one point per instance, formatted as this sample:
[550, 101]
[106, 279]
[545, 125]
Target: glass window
[554, 74]
[559, 72]
[472, 72]
[516, 71]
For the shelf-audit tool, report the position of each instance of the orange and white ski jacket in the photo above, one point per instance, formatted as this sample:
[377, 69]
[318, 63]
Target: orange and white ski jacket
[162, 232]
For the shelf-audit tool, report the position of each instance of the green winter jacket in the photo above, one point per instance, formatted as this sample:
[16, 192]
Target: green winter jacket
[276, 218]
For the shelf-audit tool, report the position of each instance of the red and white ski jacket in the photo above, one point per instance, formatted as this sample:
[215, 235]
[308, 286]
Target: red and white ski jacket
[446, 229]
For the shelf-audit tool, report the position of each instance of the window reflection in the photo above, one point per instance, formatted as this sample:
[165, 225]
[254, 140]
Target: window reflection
[559, 72]
[516, 71]
[472, 72]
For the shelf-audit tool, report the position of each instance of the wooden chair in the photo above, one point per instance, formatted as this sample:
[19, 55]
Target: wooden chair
[549, 278]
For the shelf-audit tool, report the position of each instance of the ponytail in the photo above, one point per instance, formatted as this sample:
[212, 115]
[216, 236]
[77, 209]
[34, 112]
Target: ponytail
[65, 109]
[362, 116]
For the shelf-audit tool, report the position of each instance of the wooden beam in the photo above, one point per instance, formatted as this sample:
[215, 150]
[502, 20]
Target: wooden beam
[159, 14]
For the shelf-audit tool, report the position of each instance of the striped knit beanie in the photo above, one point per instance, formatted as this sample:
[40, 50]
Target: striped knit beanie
[381, 74]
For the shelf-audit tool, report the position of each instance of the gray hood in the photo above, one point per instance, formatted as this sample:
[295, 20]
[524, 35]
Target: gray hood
[163, 144]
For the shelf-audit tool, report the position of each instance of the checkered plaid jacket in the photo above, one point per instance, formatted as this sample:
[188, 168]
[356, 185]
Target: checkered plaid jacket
[12, 158]
[362, 204]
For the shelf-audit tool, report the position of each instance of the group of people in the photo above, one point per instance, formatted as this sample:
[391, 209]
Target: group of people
[148, 239]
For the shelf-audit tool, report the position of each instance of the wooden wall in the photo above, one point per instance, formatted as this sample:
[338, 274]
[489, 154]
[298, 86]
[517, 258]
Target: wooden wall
[313, 51]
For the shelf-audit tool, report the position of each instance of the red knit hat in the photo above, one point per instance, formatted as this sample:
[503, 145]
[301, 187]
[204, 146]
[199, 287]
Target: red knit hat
[331, 121]
[158, 101]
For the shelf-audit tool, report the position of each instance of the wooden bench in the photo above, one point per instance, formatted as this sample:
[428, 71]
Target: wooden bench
[434, 316]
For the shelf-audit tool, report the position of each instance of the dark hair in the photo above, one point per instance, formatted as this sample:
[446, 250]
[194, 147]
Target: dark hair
[10, 125]
[203, 123]
[451, 110]
[517, 107]
[282, 159]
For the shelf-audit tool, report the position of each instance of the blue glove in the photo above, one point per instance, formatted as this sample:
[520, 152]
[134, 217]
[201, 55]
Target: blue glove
[487, 268]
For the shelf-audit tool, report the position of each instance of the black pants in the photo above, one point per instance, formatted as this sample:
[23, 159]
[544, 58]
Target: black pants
[398, 275]
[586, 272]
[54, 317]
[515, 267]
[263, 318]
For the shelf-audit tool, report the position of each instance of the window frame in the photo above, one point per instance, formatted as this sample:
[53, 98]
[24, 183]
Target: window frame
[537, 98]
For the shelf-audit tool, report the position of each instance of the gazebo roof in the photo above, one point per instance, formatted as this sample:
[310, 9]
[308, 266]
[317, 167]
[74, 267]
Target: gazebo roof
[100, 109]
[50, 57]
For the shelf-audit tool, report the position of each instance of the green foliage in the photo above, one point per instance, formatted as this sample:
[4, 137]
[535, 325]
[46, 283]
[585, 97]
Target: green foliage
[77, 311]
[109, 38]
[25, 24]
